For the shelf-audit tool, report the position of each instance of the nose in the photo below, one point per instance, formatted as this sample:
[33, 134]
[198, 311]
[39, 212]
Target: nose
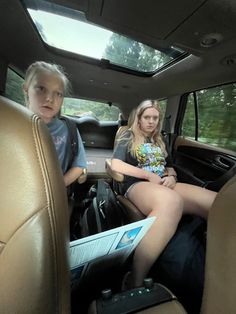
[151, 120]
[49, 97]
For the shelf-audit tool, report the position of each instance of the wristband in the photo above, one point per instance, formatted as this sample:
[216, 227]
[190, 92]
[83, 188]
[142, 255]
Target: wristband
[171, 175]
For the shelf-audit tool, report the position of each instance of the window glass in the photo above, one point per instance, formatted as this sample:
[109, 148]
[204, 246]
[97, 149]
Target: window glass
[163, 104]
[216, 116]
[82, 107]
[189, 122]
[55, 22]
[14, 85]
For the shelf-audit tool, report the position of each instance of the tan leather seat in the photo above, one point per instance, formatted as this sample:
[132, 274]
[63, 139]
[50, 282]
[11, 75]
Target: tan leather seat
[34, 221]
[219, 295]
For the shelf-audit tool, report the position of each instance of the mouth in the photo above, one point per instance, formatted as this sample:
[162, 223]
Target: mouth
[46, 111]
[47, 107]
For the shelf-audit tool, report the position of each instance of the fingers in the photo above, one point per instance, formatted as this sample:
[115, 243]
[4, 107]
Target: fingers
[168, 182]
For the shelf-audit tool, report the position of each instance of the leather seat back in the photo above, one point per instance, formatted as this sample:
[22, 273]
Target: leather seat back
[34, 221]
[220, 273]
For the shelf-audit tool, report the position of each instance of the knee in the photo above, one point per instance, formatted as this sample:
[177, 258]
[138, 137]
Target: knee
[175, 210]
[174, 199]
[172, 204]
[178, 201]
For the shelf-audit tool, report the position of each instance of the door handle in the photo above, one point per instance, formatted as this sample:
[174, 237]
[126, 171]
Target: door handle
[222, 162]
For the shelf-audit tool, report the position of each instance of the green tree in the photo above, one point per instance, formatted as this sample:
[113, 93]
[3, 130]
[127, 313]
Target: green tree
[132, 54]
[82, 107]
[217, 114]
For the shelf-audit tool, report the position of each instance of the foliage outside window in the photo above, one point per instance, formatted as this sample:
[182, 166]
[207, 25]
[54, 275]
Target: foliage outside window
[216, 116]
[14, 85]
[163, 104]
[82, 107]
[131, 54]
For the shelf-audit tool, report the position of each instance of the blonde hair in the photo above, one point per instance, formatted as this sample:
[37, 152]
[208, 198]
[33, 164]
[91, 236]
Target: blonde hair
[136, 136]
[41, 66]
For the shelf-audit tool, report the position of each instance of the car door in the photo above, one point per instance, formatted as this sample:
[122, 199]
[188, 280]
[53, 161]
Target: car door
[205, 148]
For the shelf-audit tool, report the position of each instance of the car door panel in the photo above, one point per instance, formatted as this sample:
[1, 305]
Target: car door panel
[202, 164]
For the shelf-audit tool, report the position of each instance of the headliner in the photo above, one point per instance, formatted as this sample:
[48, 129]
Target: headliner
[181, 23]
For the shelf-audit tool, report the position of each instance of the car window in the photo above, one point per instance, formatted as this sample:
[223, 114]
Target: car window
[163, 104]
[82, 107]
[13, 89]
[214, 121]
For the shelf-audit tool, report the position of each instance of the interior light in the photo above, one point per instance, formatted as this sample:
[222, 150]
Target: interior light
[210, 40]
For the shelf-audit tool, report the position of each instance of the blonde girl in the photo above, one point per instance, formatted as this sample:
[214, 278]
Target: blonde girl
[45, 87]
[150, 184]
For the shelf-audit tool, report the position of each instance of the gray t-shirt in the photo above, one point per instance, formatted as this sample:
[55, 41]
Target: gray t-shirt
[148, 156]
[60, 136]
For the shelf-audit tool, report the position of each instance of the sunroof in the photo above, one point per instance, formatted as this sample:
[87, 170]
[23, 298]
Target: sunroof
[69, 30]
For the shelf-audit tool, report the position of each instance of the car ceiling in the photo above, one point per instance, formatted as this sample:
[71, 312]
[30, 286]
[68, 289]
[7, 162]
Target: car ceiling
[182, 23]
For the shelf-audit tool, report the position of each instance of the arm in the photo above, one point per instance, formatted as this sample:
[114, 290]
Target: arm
[72, 174]
[169, 180]
[129, 170]
[119, 164]
[78, 165]
[171, 171]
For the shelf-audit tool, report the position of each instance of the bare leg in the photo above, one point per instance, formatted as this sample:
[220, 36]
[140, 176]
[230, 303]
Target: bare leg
[167, 206]
[197, 200]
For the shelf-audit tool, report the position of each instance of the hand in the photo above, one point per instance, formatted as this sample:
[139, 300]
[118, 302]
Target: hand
[155, 178]
[168, 181]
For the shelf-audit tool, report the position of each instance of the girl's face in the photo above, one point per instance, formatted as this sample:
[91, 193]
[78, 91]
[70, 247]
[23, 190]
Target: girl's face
[45, 95]
[149, 121]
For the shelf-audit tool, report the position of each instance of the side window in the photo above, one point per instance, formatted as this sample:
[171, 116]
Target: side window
[83, 107]
[165, 120]
[216, 115]
[14, 87]
[163, 104]
[189, 122]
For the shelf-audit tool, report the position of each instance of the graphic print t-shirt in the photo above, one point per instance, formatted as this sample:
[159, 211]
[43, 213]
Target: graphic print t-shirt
[151, 158]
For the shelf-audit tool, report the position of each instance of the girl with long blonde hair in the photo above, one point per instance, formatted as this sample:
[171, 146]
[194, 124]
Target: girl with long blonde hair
[151, 185]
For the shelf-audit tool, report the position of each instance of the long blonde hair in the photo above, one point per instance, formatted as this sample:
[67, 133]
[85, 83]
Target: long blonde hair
[136, 136]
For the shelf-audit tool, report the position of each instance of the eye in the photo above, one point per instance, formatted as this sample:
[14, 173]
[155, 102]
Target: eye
[40, 88]
[59, 94]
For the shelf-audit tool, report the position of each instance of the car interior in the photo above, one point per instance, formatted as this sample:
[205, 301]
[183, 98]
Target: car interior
[182, 54]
